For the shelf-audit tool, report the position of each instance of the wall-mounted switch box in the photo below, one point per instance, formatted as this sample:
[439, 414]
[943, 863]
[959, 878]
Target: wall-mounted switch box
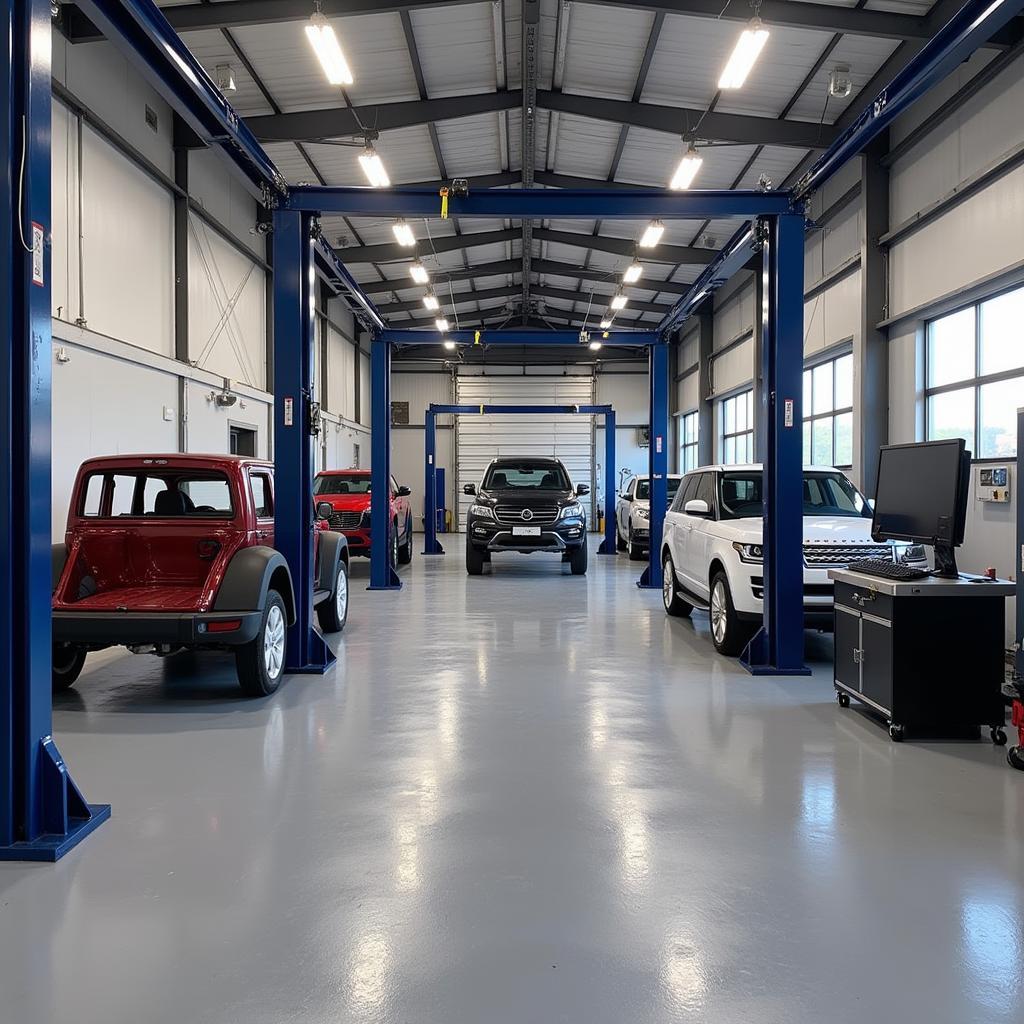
[993, 483]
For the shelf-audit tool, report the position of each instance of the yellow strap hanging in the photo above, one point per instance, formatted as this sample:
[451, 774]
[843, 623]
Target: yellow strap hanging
[476, 337]
[481, 409]
[444, 203]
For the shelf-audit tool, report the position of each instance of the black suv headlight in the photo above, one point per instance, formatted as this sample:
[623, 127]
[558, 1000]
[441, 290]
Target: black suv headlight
[575, 510]
[483, 511]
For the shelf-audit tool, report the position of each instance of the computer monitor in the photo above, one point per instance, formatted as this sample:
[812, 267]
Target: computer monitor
[922, 497]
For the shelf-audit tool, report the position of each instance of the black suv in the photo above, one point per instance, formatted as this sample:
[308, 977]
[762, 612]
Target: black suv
[526, 505]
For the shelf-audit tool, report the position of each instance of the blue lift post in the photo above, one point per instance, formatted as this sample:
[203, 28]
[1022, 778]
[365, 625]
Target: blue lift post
[42, 812]
[383, 575]
[778, 646]
[657, 462]
[294, 442]
[430, 543]
[1019, 569]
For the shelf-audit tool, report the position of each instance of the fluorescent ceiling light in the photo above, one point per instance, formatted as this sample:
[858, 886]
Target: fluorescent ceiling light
[687, 169]
[632, 273]
[418, 273]
[449, 344]
[619, 300]
[594, 346]
[403, 233]
[441, 324]
[430, 301]
[744, 55]
[652, 234]
[328, 50]
[606, 323]
[373, 167]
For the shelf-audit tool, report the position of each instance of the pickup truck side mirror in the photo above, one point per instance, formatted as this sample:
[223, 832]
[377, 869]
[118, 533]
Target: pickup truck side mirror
[582, 489]
[324, 510]
[697, 507]
[469, 489]
[403, 491]
[627, 497]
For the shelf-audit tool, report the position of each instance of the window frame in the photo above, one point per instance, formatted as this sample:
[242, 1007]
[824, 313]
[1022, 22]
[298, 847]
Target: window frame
[685, 445]
[975, 382]
[723, 436]
[830, 358]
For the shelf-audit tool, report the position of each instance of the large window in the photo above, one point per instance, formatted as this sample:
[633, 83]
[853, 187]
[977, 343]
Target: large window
[688, 442]
[975, 375]
[828, 413]
[738, 428]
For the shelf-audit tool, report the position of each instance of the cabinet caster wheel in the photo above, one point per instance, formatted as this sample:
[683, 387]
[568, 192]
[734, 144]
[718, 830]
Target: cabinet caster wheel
[1015, 758]
[997, 735]
[896, 732]
[842, 699]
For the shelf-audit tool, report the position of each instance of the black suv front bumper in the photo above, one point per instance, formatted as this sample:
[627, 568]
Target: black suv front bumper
[489, 535]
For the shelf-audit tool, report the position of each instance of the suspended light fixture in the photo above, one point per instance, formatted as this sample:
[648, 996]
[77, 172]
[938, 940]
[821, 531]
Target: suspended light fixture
[373, 167]
[449, 344]
[619, 300]
[418, 273]
[744, 55]
[652, 234]
[632, 273]
[687, 169]
[430, 301]
[328, 50]
[441, 324]
[595, 345]
[403, 233]
[606, 323]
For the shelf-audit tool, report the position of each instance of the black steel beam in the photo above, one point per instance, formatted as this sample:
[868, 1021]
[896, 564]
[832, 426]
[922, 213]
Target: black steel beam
[580, 273]
[600, 300]
[335, 122]
[198, 16]
[461, 298]
[442, 278]
[627, 247]
[387, 251]
[743, 129]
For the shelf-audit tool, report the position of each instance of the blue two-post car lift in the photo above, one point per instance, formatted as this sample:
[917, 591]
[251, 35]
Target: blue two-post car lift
[431, 546]
[42, 812]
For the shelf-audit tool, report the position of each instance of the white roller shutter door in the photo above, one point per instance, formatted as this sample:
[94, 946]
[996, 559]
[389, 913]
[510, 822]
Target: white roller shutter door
[482, 438]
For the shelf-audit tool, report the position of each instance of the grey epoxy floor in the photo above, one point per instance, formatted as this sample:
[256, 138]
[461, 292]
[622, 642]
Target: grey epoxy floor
[520, 798]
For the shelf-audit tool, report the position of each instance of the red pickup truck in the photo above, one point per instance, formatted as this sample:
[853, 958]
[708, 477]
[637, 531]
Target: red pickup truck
[171, 552]
[347, 491]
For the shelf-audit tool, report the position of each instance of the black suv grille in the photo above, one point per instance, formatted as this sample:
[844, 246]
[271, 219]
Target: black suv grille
[512, 515]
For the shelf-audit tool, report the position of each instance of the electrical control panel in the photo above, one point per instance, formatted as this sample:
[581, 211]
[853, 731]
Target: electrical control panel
[993, 483]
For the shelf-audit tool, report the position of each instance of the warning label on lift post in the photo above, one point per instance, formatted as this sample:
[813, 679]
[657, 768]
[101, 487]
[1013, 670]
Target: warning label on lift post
[289, 412]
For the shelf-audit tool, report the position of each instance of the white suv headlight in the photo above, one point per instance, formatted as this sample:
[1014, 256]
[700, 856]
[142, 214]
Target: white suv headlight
[749, 552]
[642, 513]
[484, 511]
[569, 511]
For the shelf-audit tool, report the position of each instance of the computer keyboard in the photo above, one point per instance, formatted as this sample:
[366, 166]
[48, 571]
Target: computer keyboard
[889, 570]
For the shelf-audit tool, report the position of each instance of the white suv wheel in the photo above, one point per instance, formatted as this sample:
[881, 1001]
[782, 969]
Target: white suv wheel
[719, 612]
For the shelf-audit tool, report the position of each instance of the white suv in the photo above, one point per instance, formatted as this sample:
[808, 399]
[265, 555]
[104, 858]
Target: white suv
[712, 552]
[633, 514]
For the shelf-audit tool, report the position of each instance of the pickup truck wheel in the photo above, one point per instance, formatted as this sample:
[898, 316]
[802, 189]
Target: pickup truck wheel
[405, 550]
[260, 663]
[68, 660]
[332, 614]
[727, 632]
[674, 604]
[578, 560]
[636, 553]
[474, 559]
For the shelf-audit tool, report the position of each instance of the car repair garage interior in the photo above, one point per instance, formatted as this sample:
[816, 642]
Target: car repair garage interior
[511, 511]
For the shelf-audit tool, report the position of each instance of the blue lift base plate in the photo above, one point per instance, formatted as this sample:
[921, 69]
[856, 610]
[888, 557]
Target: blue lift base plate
[755, 659]
[52, 846]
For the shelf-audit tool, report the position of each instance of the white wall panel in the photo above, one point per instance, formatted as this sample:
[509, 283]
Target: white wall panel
[227, 308]
[208, 425]
[833, 315]
[979, 237]
[688, 393]
[103, 405]
[341, 368]
[734, 368]
[221, 193]
[734, 314]
[64, 218]
[128, 223]
[627, 394]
